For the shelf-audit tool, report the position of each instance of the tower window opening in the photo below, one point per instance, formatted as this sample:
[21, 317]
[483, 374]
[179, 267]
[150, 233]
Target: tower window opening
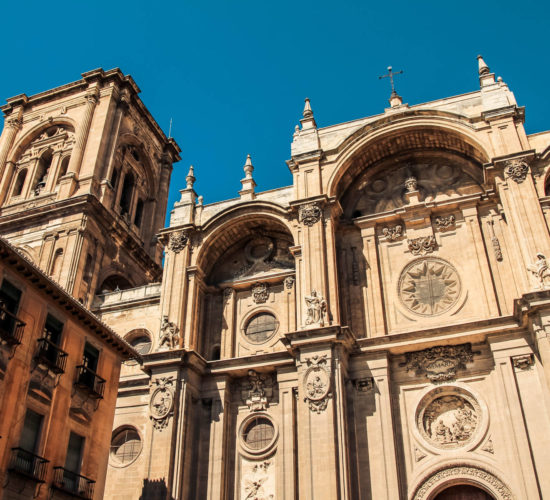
[19, 182]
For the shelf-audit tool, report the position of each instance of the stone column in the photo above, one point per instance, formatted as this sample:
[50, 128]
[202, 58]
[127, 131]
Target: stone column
[52, 174]
[12, 125]
[228, 333]
[6, 181]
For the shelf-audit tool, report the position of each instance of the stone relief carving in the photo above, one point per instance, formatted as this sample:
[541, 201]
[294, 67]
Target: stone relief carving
[393, 233]
[488, 446]
[429, 286]
[257, 391]
[169, 335]
[462, 472]
[178, 241]
[422, 245]
[309, 214]
[258, 481]
[418, 454]
[289, 282]
[440, 363]
[444, 223]
[162, 401]
[316, 309]
[516, 170]
[411, 184]
[317, 383]
[260, 294]
[540, 272]
[523, 362]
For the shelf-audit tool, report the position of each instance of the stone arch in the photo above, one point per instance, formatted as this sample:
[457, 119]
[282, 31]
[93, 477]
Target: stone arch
[111, 281]
[129, 139]
[415, 131]
[436, 480]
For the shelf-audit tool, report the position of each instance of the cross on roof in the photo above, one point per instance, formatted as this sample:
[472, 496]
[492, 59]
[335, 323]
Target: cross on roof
[390, 75]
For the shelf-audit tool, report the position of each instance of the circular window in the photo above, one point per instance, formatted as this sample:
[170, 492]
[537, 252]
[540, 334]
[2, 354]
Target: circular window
[125, 446]
[141, 344]
[261, 328]
[258, 433]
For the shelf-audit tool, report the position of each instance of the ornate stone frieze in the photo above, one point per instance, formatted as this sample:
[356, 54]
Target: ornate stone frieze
[540, 272]
[422, 245]
[393, 233]
[257, 390]
[523, 362]
[365, 384]
[169, 335]
[444, 223]
[178, 241]
[317, 383]
[289, 282]
[309, 214]
[429, 286]
[316, 309]
[162, 401]
[260, 293]
[516, 170]
[439, 363]
[258, 482]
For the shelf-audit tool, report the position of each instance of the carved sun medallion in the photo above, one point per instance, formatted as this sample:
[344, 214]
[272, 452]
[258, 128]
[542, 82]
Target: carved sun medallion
[429, 286]
[449, 420]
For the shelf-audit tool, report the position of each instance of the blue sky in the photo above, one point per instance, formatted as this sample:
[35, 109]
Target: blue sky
[233, 75]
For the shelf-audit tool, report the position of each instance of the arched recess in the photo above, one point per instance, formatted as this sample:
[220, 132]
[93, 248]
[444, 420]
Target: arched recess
[246, 258]
[114, 283]
[442, 477]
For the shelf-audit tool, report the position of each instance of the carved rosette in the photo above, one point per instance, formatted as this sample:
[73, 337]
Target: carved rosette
[260, 293]
[317, 384]
[393, 233]
[178, 241]
[422, 245]
[162, 401]
[309, 214]
[516, 170]
[257, 391]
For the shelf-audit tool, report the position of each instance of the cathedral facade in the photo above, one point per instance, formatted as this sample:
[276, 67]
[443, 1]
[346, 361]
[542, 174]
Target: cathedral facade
[377, 330]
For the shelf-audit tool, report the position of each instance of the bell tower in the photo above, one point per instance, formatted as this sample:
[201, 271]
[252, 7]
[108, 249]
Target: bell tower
[84, 177]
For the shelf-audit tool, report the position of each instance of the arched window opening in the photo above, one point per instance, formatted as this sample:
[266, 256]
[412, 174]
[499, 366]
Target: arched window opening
[63, 169]
[19, 182]
[126, 197]
[42, 171]
[88, 269]
[56, 265]
[114, 283]
[114, 177]
[139, 213]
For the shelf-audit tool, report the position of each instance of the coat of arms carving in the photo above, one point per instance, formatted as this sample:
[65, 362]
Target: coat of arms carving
[309, 214]
[317, 383]
[162, 401]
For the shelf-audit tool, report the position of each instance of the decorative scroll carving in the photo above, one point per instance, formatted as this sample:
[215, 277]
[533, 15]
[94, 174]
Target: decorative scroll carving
[464, 472]
[516, 170]
[257, 391]
[422, 245]
[317, 383]
[258, 482]
[260, 294]
[523, 362]
[169, 335]
[289, 282]
[365, 384]
[178, 241]
[393, 233]
[411, 184]
[162, 402]
[316, 309]
[309, 214]
[429, 286]
[444, 223]
[439, 363]
[540, 272]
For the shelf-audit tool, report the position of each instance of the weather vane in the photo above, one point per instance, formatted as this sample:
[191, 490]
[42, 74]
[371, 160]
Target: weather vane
[390, 75]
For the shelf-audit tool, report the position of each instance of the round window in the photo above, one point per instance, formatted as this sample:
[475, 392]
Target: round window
[141, 344]
[261, 328]
[258, 433]
[125, 446]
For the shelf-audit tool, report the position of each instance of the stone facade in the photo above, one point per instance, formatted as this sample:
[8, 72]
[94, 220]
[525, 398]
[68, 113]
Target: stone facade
[377, 330]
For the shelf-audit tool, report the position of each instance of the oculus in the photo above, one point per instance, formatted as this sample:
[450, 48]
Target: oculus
[261, 328]
[125, 446]
[429, 286]
[258, 434]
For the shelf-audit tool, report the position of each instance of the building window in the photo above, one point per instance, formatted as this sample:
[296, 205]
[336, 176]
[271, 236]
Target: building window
[126, 196]
[73, 460]
[30, 436]
[63, 168]
[10, 296]
[125, 446]
[139, 213]
[258, 433]
[19, 183]
[261, 328]
[141, 343]
[42, 171]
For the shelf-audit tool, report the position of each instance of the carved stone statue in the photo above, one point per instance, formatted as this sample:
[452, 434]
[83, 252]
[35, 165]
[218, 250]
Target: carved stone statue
[540, 272]
[316, 309]
[169, 335]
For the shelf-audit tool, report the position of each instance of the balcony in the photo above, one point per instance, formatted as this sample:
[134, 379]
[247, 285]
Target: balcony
[11, 327]
[72, 483]
[90, 382]
[51, 355]
[27, 464]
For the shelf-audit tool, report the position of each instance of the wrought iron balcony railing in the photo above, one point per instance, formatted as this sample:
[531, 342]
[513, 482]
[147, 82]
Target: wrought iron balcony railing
[51, 355]
[11, 327]
[72, 483]
[90, 381]
[28, 464]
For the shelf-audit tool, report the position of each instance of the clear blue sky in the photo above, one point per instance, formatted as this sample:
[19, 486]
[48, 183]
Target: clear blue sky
[233, 75]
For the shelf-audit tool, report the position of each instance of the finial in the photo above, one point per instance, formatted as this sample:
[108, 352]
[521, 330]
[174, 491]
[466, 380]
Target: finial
[308, 121]
[308, 112]
[483, 68]
[248, 167]
[248, 184]
[190, 179]
[200, 201]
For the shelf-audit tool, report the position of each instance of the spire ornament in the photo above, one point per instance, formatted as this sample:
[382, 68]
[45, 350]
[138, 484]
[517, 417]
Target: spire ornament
[395, 99]
[248, 183]
[308, 121]
[190, 179]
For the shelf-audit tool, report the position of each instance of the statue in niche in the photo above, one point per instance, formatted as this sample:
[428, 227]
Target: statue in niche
[540, 272]
[316, 309]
